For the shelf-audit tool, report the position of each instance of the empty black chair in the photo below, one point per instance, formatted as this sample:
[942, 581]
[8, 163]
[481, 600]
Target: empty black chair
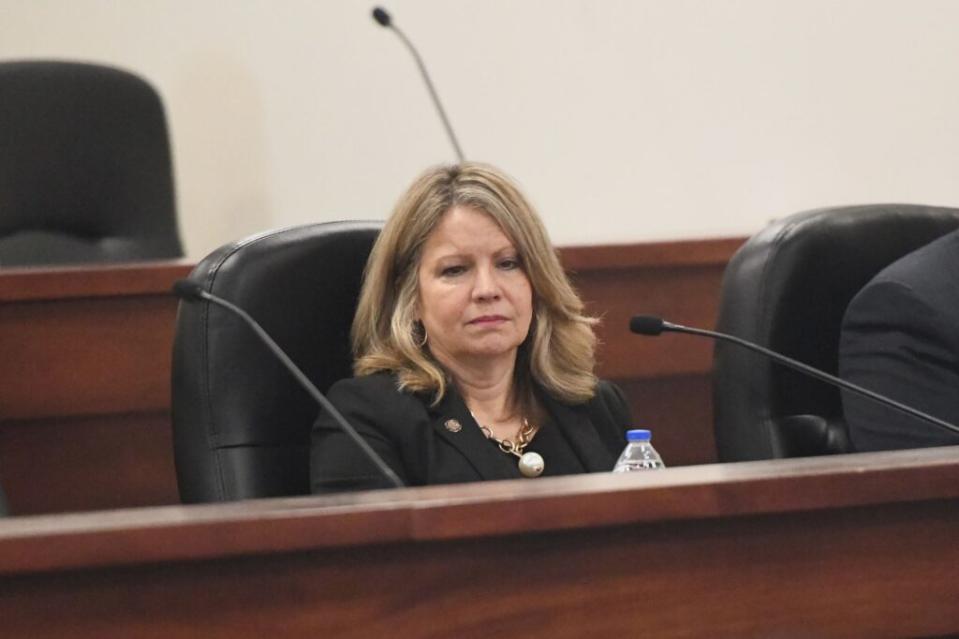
[85, 170]
[787, 289]
[241, 423]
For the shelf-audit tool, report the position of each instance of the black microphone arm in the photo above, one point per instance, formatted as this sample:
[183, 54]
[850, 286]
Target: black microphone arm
[385, 20]
[649, 325]
[191, 292]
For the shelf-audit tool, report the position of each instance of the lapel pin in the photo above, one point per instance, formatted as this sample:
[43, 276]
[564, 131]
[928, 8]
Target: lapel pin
[453, 426]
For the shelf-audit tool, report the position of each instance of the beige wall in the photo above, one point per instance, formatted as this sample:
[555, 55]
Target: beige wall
[624, 120]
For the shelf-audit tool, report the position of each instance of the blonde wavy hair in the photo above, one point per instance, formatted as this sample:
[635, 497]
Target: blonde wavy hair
[559, 351]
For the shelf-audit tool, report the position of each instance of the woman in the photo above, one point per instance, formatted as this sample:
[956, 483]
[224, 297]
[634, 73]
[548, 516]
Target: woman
[474, 360]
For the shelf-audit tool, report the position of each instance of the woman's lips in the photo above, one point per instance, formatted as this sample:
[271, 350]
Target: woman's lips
[488, 319]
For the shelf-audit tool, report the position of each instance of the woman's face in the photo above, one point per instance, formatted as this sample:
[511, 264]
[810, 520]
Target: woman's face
[475, 300]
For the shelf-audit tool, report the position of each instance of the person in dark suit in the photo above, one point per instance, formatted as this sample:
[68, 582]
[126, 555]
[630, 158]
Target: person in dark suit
[900, 338]
[473, 355]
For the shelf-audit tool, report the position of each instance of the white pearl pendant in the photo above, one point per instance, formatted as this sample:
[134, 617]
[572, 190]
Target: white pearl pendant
[531, 464]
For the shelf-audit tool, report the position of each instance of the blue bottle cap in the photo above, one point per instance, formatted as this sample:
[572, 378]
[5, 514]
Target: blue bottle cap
[638, 435]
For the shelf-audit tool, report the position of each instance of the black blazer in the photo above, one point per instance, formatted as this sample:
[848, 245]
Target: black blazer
[900, 337]
[413, 439]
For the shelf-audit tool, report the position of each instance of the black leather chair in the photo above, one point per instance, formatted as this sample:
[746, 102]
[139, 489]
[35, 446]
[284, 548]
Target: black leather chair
[787, 289]
[241, 423]
[85, 170]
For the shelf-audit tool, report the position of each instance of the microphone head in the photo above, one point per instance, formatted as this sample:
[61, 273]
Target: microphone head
[188, 290]
[646, 325]
[382, 17]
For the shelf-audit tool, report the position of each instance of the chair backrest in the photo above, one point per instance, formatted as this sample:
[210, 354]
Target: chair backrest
[85, 170]
[241, 423]
[787, 289]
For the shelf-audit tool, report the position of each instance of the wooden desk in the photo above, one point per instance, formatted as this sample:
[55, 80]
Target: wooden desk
[861, 545]
[85, 368]
[85, 386]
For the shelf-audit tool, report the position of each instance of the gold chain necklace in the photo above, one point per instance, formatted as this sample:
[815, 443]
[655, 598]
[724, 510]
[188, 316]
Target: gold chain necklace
[530, 464]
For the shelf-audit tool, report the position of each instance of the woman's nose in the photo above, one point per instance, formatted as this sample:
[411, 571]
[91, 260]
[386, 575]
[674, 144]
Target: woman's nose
[485, 286]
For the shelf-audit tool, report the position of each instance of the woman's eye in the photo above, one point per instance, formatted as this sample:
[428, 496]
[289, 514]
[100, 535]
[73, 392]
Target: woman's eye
[450, 271]
[509, 264]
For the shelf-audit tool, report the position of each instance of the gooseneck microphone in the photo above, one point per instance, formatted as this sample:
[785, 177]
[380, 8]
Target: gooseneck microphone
[649, 325]
[190, 291]
[385, 20]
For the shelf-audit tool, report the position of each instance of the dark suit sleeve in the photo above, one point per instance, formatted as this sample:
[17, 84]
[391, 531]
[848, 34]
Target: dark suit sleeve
[897, 344]
[373, 407]
[611, 415]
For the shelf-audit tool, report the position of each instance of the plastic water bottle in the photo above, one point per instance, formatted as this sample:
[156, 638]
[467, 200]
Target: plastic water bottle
[639, 453]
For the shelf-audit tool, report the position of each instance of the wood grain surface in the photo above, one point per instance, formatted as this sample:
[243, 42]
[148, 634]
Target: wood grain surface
[854, 545]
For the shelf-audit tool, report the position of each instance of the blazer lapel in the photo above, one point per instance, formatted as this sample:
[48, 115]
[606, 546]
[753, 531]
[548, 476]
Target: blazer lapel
[469, 440]
[575, 424]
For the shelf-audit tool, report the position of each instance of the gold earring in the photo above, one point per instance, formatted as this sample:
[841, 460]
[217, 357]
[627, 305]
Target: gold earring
[422, 342]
